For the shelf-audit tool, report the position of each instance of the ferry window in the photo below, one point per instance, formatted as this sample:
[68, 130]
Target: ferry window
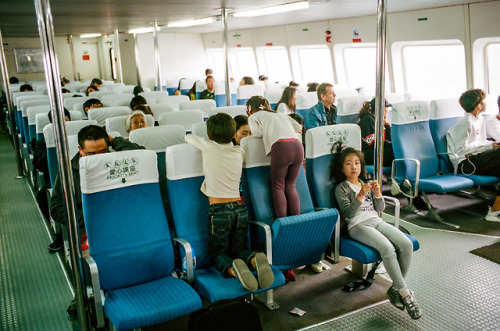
[243, 63]
[431, 68]
[274, 63]
[360, 67]
[113, 63]
[493, 67]
[216, 61]
[313, 63]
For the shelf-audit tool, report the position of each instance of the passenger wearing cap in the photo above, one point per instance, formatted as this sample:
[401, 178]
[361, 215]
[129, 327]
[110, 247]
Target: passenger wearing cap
[367, 124]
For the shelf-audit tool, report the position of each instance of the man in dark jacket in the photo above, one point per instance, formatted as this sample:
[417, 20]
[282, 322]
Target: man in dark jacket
[92, 140]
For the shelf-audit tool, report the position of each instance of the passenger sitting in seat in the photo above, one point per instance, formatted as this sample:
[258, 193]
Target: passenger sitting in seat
[493, 125]
[367, 124]
[138, 100]
[138, 89]
[209, 93]
[359, 201]
[91, 103]
[246, 81]
[144, 108]
[324, 112]
[288, 100]
[92, 140]
[242, 129]
[312, 87]
[467, 140]
[91, 89]
[96, 83]
[26, 88]
[228, 215]
[136, 120]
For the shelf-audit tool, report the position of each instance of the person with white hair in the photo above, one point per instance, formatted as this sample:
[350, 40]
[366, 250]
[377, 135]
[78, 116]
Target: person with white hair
[135, 120]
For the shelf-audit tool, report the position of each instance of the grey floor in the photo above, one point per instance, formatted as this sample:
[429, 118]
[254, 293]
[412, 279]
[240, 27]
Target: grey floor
[34, 292]
[457, 290]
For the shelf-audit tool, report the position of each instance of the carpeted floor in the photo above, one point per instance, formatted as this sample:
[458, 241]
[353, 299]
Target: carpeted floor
[490, 252]
[319, 295]
[466, 211]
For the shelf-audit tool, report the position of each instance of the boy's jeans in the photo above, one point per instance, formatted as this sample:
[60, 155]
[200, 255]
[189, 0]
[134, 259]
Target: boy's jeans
[227, 228]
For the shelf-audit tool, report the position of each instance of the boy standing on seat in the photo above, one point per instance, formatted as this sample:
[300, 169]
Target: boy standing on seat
[469, 150]
[227, 215]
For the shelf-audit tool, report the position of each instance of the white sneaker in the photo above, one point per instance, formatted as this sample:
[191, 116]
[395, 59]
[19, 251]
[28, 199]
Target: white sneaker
[492, 216]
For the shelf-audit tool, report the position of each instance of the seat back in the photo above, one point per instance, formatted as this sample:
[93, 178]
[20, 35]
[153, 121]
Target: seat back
[118, 124]
[72, 95]
[245, 92]
[231, 110]
[32, 112]
[201, 86]
[305, 101]
[111, 100]
[41, 120]
[173, 100]
[394, 98]
[101, 114]
[69, 103]
[348, 108]
[188, 204]
[411, 138]
[339, 94]
[256, 182]
[158, 139]
[185, 85]
[200, 129]
[273, 95]
[72, 128]
[160, 108]
[319, 142]
[207, 106]
[444, 113]
[186, 118]
[220, 94]
[127, 229]
[152, 97]
[100, 94]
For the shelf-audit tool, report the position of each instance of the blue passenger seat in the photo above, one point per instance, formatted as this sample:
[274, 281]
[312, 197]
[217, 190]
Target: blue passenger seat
[131, 252]
[190, 209]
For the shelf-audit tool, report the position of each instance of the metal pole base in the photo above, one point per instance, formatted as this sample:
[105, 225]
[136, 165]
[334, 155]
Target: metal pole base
[266, 298]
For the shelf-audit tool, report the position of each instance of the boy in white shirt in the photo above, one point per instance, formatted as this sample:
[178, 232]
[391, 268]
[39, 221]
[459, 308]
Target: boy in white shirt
[227, 215]
[467, 140]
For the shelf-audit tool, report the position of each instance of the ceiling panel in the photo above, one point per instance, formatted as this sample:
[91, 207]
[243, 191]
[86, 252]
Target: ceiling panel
[18, 19]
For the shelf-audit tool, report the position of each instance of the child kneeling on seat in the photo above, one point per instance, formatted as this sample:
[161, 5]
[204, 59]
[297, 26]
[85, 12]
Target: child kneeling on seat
[359, 201]
[227, 215]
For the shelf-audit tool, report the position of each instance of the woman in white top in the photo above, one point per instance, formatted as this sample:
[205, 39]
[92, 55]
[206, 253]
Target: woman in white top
[279, 133]
[288, 100]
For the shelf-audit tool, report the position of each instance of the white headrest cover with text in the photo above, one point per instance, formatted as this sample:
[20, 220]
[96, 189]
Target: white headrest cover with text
[183, 161]
[319, 140]
[104, 172]
[410, 112]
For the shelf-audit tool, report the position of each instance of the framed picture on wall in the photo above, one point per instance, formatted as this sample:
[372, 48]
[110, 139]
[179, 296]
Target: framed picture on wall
[29, 60]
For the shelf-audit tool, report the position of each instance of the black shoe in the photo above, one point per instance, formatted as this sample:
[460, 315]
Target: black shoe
[56, 245]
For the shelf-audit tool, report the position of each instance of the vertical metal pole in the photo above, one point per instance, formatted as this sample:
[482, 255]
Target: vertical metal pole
[73, 62]
[46, 31]
[118, 56]
[380, 89]
[10, 107]
[137, 60]
[157, 56]
[226, 57]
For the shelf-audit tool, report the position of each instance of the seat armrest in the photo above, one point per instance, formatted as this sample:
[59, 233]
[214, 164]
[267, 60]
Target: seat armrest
[189, 258]
[417, 175]
[96, 288]
[397, 207]
[269, 239]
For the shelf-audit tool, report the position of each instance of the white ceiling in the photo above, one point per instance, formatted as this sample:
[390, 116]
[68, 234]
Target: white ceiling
[18, 19]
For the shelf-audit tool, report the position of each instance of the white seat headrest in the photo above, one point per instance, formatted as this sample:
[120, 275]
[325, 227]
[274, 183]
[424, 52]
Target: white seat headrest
[100, 114]
[351, 105]
[410, 112]
[306, 100]
[231, 110]
[158, 138]
[445, 108]
[183, 161]
[255, 152]
[104, 172]
[319, 140]
[72, 128]
[34, 110]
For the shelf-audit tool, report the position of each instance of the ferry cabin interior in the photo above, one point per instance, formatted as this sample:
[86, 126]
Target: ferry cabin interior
[434, 50]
